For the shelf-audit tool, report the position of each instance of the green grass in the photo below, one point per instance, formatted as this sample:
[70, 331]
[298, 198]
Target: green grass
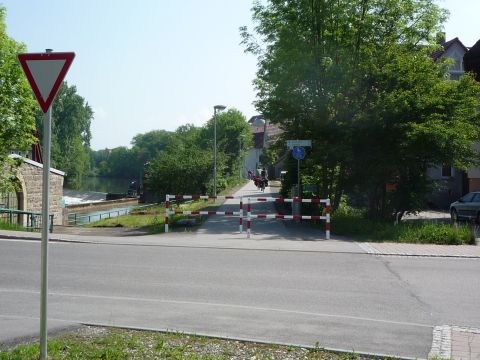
[353, 223]
[117, 344]
[8, 226]
[153, 218]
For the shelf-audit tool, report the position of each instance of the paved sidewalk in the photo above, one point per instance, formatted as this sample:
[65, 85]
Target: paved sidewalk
[461, 251]
[454, 342]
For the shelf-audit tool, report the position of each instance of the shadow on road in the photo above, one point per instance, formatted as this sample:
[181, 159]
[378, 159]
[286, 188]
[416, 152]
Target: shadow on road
[261, 229]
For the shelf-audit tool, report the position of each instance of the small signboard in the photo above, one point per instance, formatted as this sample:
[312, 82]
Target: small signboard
[298, 152]
[45, 73]
[303, 143]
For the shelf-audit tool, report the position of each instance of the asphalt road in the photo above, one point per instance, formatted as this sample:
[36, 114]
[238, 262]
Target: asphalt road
[338, 299]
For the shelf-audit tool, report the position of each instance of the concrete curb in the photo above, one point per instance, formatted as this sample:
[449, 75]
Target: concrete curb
[254, 340]
[364, 248]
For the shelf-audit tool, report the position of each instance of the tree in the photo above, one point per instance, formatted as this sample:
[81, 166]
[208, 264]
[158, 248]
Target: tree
[233, 137]
[355, 76]
[17, 106]
[151, 142]
[146, 146]
[183, 167]
[71, 119]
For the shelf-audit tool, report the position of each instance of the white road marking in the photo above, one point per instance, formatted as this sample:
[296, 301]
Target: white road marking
[216, 305]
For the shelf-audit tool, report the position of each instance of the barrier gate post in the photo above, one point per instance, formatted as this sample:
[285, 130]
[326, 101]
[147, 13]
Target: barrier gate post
[327, 220]
[249, 223]
[167, 209]
[240, 216]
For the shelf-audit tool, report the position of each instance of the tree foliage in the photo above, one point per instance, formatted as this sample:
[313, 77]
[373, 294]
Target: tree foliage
[129, 163]
[355, 76]
[17, 106]
[71, 119]
[185, 165]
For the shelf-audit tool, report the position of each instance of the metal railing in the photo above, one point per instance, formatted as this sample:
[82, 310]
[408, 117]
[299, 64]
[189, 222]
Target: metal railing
[33, 220]
[82, 219]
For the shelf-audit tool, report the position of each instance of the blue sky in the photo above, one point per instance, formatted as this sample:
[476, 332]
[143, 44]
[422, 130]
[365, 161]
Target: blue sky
[158, 64]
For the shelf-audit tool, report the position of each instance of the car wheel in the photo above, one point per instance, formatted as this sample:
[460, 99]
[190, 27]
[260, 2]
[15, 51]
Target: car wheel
[454, 216]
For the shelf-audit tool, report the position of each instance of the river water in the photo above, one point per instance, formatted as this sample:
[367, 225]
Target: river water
[94, 189]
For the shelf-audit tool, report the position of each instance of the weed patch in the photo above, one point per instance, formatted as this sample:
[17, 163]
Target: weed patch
[353, 223]
[107, 343]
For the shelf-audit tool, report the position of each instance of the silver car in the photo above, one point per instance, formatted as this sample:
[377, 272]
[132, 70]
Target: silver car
[466, 208]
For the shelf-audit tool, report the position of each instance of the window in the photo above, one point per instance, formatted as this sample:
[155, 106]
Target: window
[476, 198]
[468, 197]
[455, 76]
[446, 171]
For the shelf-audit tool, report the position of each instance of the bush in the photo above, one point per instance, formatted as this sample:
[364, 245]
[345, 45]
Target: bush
[348, 221]
[428, 233]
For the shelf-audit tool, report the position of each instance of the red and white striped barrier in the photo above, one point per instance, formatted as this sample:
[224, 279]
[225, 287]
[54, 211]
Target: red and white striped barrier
[225, 213]
[200, 197]
[292, 200]
[169, 212]
[288, 217]
[249, 216]
[328, 209]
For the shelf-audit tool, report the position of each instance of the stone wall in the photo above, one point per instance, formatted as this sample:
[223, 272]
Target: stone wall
[30, 177]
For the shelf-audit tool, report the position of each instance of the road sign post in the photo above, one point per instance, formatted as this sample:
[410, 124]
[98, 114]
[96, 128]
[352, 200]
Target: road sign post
[298, 153]
[45, 73]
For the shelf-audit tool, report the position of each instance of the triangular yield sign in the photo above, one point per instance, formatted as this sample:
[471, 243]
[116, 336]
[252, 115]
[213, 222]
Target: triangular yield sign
[45, 73]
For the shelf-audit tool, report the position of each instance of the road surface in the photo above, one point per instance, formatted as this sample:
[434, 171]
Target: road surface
[330, 293]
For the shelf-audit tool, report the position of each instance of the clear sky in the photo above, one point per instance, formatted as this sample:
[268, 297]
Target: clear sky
[159, 64]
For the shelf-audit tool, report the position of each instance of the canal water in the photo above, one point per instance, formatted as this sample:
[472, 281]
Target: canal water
[86, 218]
[93, 190]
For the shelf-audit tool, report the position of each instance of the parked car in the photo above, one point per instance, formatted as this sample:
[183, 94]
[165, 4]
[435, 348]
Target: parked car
[466, 208]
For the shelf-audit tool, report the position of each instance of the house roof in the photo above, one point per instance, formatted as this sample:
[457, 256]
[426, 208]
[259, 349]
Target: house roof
[471, 60]
[36, 164]
[474, 51]
[253, 118]
[445, 46]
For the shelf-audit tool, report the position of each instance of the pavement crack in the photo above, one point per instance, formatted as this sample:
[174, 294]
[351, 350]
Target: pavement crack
[404, 284]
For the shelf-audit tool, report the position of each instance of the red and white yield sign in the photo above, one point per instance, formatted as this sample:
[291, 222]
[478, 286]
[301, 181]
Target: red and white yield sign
[45, 73]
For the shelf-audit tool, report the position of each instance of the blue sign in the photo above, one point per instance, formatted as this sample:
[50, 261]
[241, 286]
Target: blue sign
[298, 153]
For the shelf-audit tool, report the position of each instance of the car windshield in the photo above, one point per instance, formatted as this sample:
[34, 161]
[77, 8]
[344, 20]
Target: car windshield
[468, 197]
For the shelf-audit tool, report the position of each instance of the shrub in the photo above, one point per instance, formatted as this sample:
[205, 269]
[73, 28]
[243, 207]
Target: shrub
[349, 221]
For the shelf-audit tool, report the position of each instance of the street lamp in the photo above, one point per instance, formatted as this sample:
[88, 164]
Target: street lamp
[240, 167]
[215, 109]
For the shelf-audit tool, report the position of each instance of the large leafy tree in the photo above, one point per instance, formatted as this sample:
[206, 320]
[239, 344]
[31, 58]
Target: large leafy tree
[17, 106]
[355, 76]
[71, 119]
[185, 165]
[233, 136]
[147, 145]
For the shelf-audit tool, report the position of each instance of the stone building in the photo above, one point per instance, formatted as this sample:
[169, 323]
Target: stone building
[29, 195]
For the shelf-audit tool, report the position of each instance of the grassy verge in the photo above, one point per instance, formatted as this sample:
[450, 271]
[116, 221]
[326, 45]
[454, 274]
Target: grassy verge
[153, 218]
[107, 343]
[8, 226]
[353, 223]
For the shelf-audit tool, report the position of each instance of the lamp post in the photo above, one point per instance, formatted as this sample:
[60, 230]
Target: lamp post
[215, 109]
[240, 167]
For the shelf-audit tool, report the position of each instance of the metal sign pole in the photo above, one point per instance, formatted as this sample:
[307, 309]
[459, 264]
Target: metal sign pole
[45, 73]
[47, 127]
[298, 176]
